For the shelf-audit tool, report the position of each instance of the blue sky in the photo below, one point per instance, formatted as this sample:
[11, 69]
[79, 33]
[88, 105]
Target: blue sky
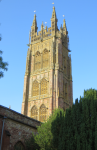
[16, 17]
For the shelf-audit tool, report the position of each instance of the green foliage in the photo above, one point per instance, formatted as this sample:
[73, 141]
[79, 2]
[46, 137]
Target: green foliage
[57, 128]
[75, 129]
[91, 94]
[3, 65]
[30, 144]
[45, 136]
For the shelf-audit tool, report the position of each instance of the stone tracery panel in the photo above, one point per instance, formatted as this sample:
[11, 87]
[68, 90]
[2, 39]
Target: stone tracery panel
[45, 58]
[34, 112]
[42, 113]
[35, 88]
[37, 60]
[43, 86]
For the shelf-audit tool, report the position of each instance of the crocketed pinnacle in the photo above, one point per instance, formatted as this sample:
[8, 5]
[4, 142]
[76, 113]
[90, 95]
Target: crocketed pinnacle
[42, 26]
[54, 13]
[64, 24]
[34, 21]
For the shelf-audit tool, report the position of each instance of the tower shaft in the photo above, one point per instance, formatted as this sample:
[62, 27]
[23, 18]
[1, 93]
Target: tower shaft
[48, 76]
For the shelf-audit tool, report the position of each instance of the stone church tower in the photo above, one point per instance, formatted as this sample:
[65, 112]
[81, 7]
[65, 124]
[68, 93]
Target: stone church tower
[48, 76]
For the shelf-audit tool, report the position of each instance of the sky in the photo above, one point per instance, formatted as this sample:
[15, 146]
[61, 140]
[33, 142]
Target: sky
[16, 17]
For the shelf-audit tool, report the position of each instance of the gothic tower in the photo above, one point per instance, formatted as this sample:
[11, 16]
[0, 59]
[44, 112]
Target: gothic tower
[48, 75]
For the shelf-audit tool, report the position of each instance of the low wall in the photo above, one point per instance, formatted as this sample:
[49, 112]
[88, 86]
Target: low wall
[16, 127]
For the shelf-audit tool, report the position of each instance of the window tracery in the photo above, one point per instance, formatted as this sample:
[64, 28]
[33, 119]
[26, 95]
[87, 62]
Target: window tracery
[34, 112]
[37, 60]
[45, 58]
[43, 86]
[43, 113]
[35, 88]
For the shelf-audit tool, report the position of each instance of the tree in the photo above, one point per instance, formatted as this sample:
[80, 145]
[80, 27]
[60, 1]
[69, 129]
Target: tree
[3, 65]
[57, 129]
[75, 129]
[30, 144]
[91, 93]
[44, 136]
[78, 130]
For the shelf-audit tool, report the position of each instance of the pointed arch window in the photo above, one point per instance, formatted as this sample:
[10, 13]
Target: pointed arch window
[43, 86]
[19, 146]
[35, 88]
[37, 60]
[45, 58]
[34, 113]
[42, 113]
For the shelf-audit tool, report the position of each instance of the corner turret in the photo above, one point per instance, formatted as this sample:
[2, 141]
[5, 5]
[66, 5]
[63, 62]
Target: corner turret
[34, 25]
[64, 28]
[54, 22]
[42, 27]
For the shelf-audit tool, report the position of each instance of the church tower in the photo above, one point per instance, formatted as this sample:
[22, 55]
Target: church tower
[48, 75]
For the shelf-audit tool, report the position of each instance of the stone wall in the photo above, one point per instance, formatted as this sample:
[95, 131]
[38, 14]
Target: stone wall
[16, 128]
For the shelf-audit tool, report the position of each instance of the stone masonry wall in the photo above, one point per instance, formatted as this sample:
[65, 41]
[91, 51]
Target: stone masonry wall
[18, 126]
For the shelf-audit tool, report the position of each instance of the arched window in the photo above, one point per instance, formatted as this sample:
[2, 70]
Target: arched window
[43, 86]
[35, 88]
[42, 113]
[45, 58]
[37, 60]
[34, 112]
[19, 146]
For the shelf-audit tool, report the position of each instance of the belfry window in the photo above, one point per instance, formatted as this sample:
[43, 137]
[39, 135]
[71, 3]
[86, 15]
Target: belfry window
[34, 112]
[37, 60]
[45, 58]
[43, 86]
[35, 88]
[42, 113]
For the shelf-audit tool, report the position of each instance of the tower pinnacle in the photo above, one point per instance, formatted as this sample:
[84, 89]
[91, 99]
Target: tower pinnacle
[64, 27]
[34, 25]
[42, 25]
[54, 22]
[54, 13]
[64, 24]
[34, 21]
